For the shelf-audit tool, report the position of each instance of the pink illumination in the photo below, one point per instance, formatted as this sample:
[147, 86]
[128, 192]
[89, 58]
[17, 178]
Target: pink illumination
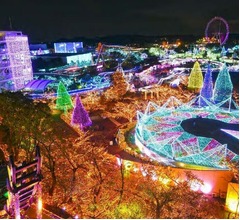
[119, 160]
[206, 188]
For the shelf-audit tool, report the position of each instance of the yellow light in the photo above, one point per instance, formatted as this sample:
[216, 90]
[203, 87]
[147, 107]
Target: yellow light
[181, 164]
[39, 205]
[232, 205]
[128, 165]
[232, 198]
[165, 180]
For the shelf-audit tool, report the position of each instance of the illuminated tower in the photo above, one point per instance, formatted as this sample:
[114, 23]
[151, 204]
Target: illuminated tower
[15, 61]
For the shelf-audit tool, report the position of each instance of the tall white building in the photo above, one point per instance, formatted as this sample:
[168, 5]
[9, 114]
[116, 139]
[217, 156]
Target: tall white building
[15, 61]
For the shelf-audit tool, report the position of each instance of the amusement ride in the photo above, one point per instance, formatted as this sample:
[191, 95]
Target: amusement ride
[217, 30]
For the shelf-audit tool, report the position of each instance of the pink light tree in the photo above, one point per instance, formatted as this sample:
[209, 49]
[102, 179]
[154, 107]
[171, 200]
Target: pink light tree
[80, 116]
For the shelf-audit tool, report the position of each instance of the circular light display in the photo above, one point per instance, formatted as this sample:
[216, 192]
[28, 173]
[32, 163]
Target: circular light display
[160, 134]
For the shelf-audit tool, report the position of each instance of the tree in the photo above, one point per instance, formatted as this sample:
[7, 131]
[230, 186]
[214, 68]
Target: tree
[80, 115]
[24, 122]
[124, 110]
[130, 210]
[207, 89]
[223, 52]
[118, 88]
[94, 170]
[195, 80]
[48, 150]
[64, 101]
[223, 86]
[165, 195]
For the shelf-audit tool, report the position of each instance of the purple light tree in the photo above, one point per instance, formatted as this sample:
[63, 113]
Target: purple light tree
[207, 89]
[80, 116]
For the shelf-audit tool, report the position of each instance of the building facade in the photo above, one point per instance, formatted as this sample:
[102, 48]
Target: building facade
[15, 61]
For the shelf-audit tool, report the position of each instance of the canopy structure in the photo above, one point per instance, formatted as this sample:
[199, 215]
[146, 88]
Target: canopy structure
[38, 84]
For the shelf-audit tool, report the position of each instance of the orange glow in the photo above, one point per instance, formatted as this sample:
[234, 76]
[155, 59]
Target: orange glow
[232, 200]
[39, 205]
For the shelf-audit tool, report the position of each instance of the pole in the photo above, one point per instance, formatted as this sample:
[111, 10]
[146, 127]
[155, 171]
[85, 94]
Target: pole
[10, 23]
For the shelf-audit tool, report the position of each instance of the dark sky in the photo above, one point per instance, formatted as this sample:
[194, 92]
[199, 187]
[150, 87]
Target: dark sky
[48, 20]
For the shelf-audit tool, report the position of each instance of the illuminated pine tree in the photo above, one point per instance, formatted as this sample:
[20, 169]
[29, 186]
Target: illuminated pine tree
[207, 89]
[223, 52]
[223, 86]
[195, 80]
[64, 101]
[80, 116]
[119, 86]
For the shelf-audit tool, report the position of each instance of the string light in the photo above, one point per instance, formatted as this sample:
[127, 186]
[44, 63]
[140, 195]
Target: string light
[160, 131]
[20, 65]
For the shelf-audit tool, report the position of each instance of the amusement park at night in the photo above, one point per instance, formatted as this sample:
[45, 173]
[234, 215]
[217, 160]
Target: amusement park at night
[119, 128]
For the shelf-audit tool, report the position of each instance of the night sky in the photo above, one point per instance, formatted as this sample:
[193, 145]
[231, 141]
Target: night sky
[49, 20]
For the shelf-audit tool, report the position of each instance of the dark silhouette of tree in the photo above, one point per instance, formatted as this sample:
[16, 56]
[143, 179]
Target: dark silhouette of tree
[24, 122]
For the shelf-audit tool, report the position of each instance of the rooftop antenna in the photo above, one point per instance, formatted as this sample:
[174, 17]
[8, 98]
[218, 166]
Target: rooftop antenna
[10, 23]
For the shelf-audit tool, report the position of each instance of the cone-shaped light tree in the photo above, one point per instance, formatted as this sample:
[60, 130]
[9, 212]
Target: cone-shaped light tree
[64, 101]
[195, 80]
[207, 89]
[119, 86]
[223, 86]
[223, 52]
[80, 116]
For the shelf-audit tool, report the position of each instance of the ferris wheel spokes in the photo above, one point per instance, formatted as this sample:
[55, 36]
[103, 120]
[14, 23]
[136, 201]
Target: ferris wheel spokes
[217, 30]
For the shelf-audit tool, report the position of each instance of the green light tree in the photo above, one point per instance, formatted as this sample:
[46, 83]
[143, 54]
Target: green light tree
[64, 101]
[195, 80]
[223, 86]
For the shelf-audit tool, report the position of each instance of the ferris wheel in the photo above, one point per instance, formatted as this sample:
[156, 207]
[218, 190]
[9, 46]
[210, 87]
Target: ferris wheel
[217, 30]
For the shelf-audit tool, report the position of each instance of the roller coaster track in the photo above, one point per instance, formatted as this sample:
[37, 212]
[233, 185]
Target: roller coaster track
[100, 51]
